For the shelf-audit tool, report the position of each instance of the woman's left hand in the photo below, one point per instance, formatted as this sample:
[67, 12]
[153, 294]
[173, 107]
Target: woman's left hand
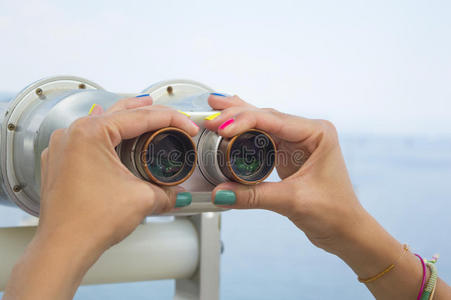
[89, 199]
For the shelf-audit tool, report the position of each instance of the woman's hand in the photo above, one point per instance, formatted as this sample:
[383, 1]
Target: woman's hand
[85, 186]
[315, 193]
[89, 199]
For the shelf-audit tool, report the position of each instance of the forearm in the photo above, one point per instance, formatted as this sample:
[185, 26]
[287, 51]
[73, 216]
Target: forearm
[372, 249]
[49, 269]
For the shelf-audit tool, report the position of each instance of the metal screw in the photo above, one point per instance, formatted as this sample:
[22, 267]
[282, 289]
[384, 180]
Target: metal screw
[82, 86]
[170, 90]
[39, 92]
[17, 188]
[11, 126]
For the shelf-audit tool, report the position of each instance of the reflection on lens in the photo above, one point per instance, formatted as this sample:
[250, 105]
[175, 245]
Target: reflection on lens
[166, 157]
[245, 168]
[247, 158]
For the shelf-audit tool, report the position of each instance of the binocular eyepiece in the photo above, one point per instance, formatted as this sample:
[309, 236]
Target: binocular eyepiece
[169, 156]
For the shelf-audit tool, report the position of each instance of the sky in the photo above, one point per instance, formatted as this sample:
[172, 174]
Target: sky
[371, 67]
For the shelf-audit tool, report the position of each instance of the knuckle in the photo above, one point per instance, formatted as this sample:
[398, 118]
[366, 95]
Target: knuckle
[253, 198]
[329, 129]
[230, 112]
[148, 205]
[81, 124]
[56, 136]
[44, 154]
[270, 110]
[169, 202]
[86, 127]
[160, 107]
[236, 99]
[151, 195]
[168, 205]
[123, 103]
[246, 114]
[158, 202]
[120, 102]
[328, 125]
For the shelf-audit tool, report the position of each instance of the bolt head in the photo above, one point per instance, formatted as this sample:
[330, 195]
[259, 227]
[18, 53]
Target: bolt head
[39, 92]
[17, 188]
[11, 126]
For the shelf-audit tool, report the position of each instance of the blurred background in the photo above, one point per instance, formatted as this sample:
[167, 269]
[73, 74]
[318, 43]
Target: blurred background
[380, 70]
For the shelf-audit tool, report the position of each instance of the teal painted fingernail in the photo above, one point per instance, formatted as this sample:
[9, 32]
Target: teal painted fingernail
[183, 199]
[225, 197]
[218, 94]
[143, 95]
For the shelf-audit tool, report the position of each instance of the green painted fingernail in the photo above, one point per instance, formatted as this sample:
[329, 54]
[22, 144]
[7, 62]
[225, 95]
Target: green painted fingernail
[183, 199]
[225, 197]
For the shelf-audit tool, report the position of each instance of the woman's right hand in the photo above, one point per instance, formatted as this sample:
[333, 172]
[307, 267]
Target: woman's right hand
[315, 193]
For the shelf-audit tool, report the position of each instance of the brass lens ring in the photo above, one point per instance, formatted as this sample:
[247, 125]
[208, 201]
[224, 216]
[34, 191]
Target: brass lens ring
[266, 162]
[183, 160]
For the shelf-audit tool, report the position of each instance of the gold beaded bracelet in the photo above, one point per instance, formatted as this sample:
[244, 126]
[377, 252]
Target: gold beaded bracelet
[388, 269]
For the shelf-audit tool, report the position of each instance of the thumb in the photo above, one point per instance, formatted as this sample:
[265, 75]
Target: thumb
[164, 199]
[275, 196]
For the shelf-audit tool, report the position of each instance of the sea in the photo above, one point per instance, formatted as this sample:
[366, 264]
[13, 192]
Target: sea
[403, 181]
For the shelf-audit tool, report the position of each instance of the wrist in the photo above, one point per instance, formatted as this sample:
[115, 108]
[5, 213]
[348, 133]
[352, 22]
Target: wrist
[366, 247]
[369, 250]
[73, 251]
[52, 267]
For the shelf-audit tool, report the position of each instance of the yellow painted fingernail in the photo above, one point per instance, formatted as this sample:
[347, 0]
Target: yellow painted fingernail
[186, 114]
[92, 108]
[213, 116]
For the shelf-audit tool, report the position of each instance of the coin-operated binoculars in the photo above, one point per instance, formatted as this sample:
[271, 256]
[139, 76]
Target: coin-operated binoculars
[186, 249]
[168, 156]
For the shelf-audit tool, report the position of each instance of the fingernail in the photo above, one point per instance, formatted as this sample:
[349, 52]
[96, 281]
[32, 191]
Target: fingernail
[194, 123]
[218, 94]
[183, 199]
[143, 95]
[213, 116]
[185, 113]
[226, 123]
[92, 108]
[225, 197]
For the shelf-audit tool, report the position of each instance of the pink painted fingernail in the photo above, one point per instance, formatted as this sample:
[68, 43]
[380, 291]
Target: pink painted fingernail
[194, 123]
[226, 123]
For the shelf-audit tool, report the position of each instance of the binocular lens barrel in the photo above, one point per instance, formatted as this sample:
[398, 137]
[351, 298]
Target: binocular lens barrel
[169, 156]
[247, 158]
[165, 157]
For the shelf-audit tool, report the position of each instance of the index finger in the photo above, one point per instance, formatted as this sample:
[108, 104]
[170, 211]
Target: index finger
[130, 103]
[284, 126]
[127, 124]
[221, 102]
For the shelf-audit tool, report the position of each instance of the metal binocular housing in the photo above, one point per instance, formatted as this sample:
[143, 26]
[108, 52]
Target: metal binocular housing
[168, 156]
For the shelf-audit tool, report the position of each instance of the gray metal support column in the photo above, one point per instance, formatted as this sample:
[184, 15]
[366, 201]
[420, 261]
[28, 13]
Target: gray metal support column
[204, 285]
